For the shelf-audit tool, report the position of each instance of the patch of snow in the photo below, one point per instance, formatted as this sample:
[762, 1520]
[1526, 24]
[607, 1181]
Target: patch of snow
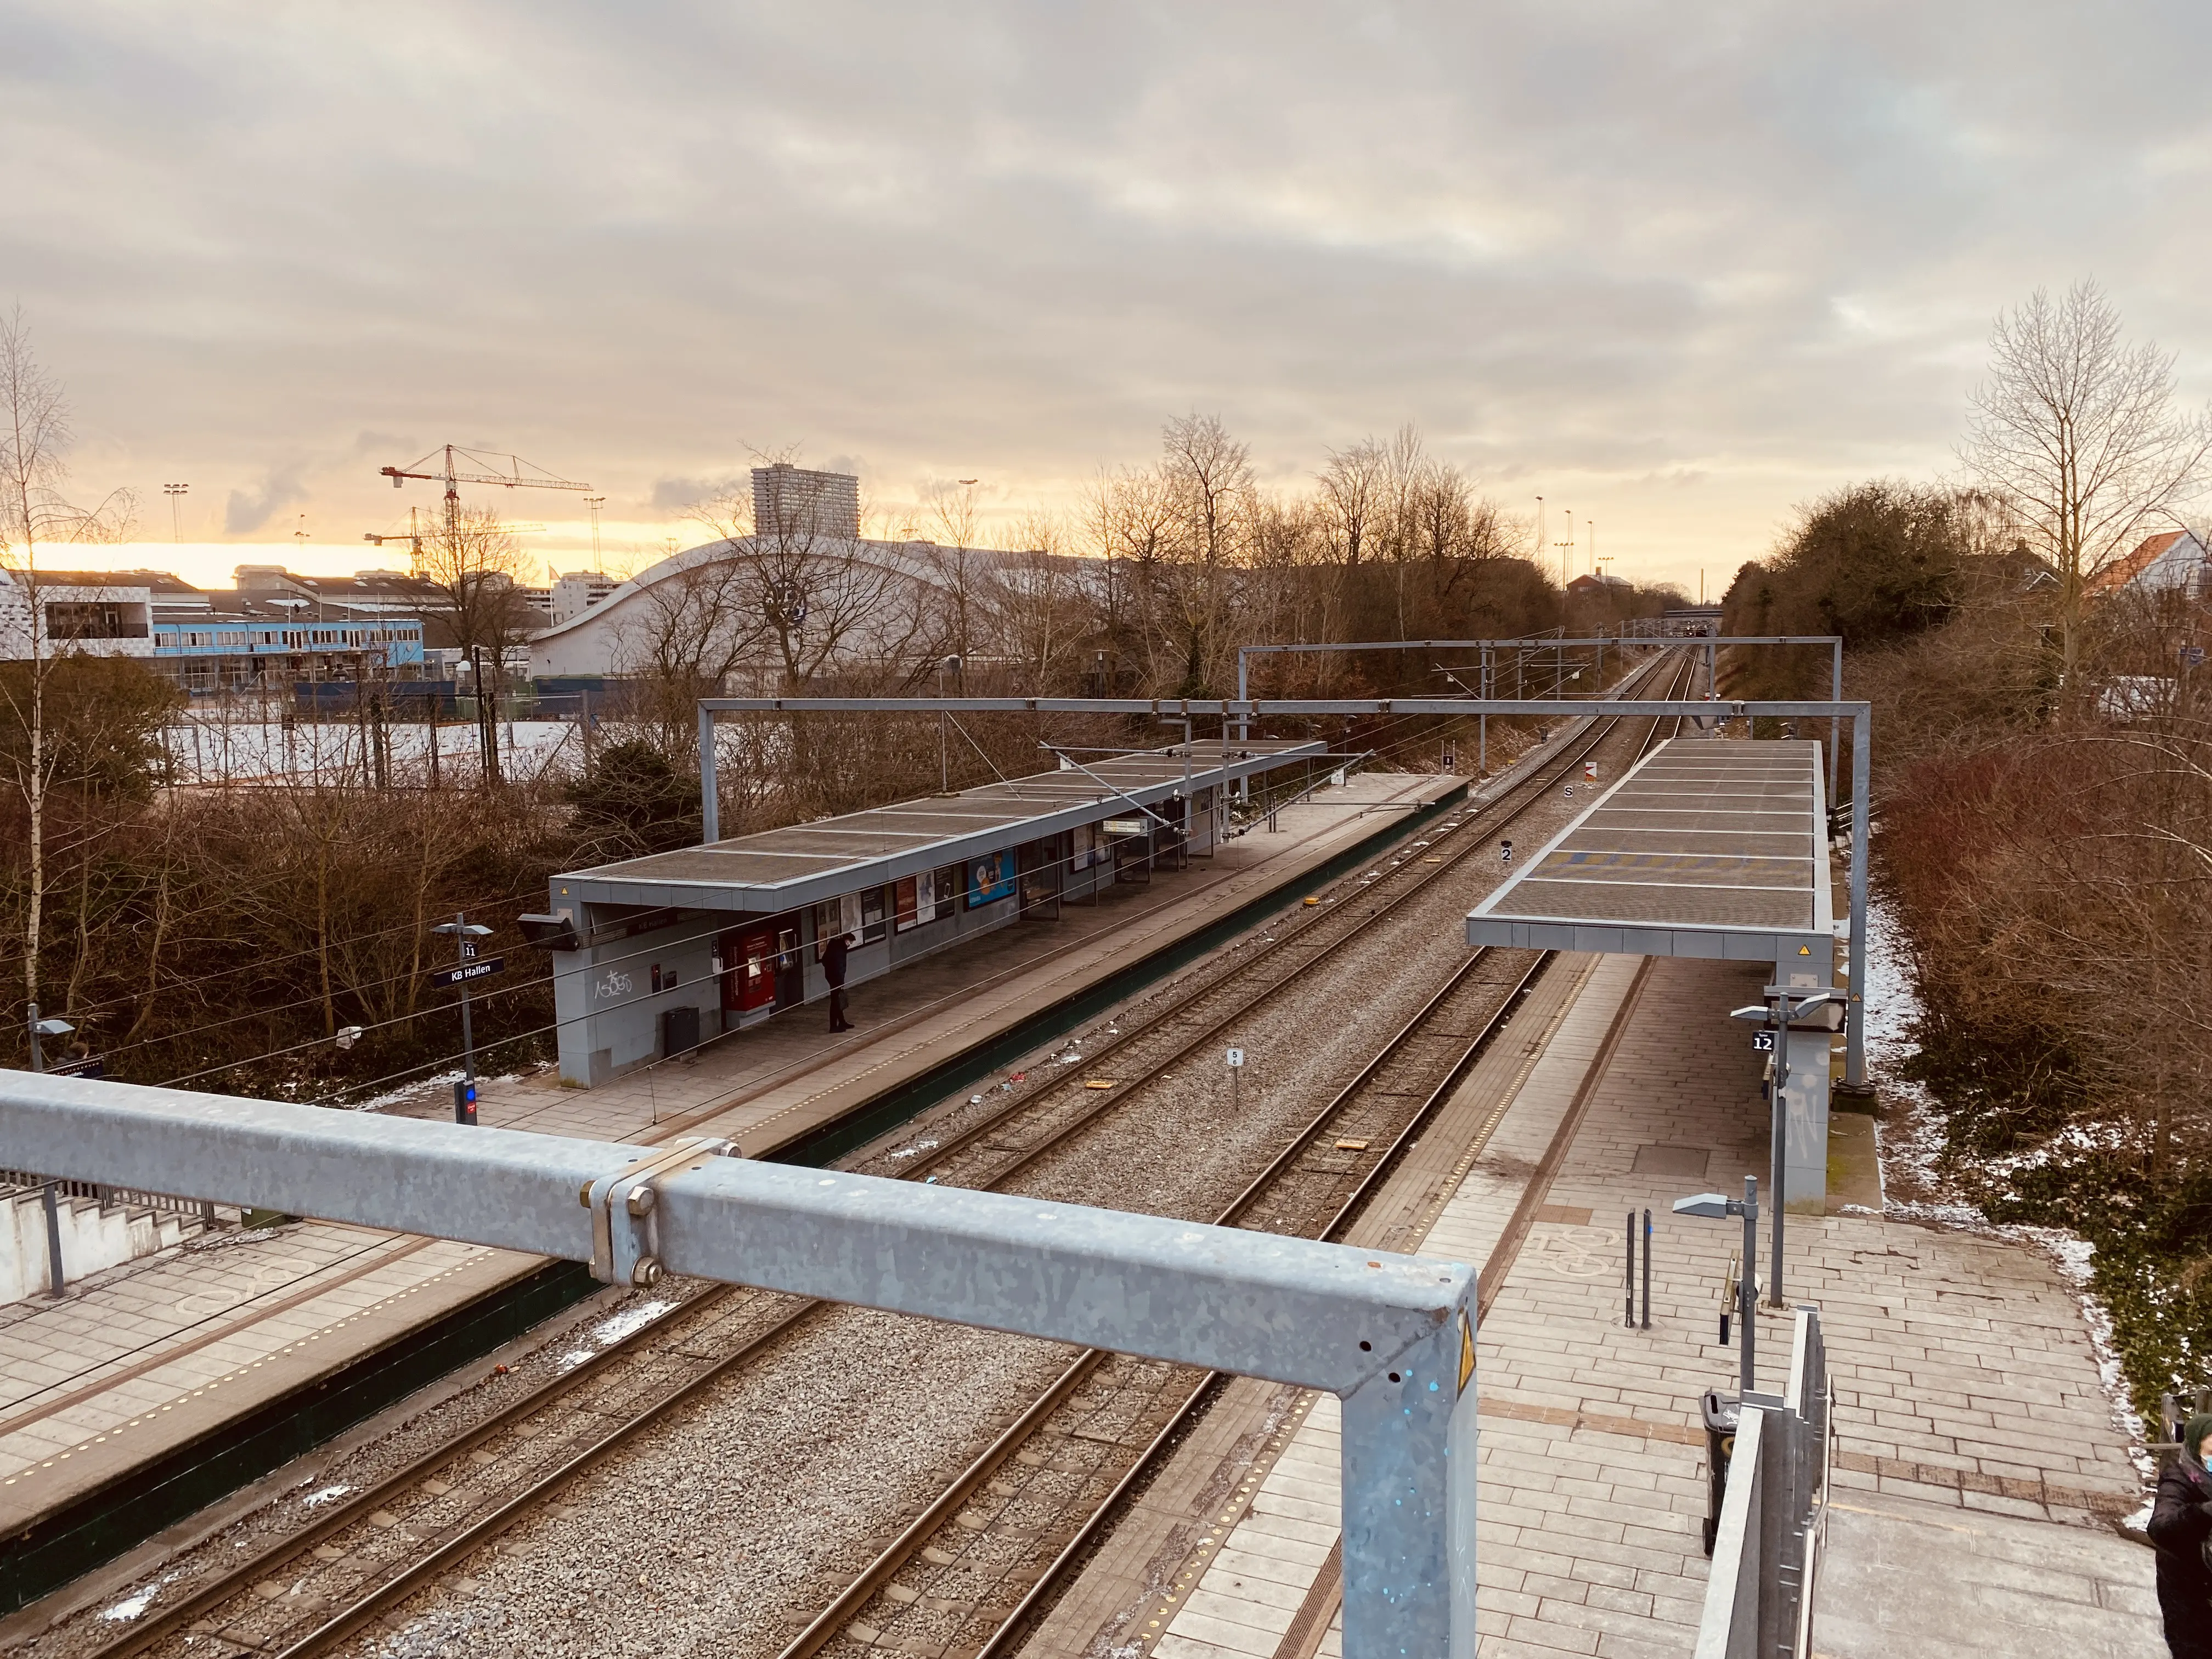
[326, 1495]
[922, 1147]
[628, 1322]
[574, 1358]
[134, 1604]
[1909, 1146]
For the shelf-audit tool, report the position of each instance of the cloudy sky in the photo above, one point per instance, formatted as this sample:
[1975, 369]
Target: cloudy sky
[1675, 268]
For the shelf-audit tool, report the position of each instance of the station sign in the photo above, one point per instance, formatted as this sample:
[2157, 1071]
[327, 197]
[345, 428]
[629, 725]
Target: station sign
[1124, 826]
[483, 968]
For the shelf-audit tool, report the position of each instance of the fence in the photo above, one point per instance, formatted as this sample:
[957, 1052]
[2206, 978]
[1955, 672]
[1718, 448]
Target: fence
[1774, 1518]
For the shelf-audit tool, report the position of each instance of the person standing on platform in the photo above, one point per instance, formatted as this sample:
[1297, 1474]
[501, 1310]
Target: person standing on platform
[2180, 1525]
[833, 970]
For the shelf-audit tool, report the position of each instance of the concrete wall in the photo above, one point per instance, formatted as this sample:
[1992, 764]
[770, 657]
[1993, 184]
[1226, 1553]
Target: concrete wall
[93, 1239]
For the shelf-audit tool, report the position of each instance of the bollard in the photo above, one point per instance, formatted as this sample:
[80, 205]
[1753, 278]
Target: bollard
[1629, 1237]
[1646, 1270]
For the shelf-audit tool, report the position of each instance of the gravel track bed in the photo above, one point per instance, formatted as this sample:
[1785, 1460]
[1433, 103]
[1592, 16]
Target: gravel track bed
[724, 1526]
[880, 1445]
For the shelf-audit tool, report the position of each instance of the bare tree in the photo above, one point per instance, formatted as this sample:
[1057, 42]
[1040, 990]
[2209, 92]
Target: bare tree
[2077, 434]
[1042, 610]
[686, 634]
[1352, 496]
[32, 442]
[474, 563]
[962, 568]
[821, 600]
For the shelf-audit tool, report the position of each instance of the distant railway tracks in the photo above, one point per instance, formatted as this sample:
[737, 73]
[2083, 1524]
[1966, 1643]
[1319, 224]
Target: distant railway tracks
[998, 1537]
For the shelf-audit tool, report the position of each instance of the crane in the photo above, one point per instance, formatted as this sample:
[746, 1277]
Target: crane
[513, 477]
[413, 535]
[453, 478]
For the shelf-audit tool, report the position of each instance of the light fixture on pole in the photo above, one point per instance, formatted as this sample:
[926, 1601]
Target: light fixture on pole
[44, 1028]
[1777, 1017]
[1715, 1206]
[174, 492]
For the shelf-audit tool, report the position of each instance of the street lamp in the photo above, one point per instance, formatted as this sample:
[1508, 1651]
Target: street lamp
[174, 492]
[52, 1028]
[1714, 1206]
[466, 934]
[1777, 1017]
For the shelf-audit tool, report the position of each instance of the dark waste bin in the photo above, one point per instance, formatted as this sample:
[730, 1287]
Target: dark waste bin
[1720, 1415]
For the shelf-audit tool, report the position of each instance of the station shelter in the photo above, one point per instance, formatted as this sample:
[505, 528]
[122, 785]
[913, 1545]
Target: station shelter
[1706, 848]
[653, 956]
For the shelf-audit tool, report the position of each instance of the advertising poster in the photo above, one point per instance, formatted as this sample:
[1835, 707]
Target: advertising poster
[990, 880]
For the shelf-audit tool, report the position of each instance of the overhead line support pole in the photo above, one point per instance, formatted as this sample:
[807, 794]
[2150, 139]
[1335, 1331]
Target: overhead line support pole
[710, 797]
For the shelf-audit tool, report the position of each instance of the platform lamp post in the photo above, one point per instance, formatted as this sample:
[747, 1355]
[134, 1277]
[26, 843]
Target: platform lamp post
[50, 1196]
[1777, 1017]
[44, 1028]
[1715, 1206]
[466, 934]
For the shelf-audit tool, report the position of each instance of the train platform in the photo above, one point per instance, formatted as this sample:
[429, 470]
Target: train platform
[199, 1352]
[1979, 1462]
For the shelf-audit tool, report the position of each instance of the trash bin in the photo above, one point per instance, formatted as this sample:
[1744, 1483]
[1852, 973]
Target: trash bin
[1720, 1415]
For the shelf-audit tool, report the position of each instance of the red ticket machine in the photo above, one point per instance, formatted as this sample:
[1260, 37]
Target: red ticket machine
[750, 981]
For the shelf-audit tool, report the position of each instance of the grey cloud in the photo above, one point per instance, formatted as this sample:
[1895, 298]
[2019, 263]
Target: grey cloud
[1590, 251]
[245, 511]
[674, 494]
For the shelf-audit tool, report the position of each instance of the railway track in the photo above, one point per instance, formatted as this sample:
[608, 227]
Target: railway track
[968, 1574]
[1104, 1417]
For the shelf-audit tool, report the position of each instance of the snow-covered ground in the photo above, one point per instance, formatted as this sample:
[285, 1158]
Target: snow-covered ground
[209, 748]
[1910, 1140]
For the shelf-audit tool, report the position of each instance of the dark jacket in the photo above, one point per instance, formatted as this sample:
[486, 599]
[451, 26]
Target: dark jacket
[2180, 1521]
[833, 960]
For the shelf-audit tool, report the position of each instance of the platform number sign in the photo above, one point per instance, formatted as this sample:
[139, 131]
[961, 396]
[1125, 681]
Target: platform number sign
[1762, 1043]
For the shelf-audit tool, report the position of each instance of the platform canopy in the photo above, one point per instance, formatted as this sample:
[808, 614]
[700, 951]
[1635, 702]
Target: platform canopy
[1706, 848]
[779, 870]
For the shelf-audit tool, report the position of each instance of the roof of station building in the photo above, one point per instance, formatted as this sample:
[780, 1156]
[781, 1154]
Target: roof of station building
[802, 864]
[1705, 848]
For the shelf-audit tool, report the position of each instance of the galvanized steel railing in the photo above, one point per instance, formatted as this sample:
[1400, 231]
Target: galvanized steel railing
[1774, 1518]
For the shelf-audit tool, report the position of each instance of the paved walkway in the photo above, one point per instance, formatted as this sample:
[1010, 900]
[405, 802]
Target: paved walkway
[1967, 1393]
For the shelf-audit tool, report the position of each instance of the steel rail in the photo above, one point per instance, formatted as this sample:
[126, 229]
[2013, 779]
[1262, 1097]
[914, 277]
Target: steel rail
[887, 1563]
[1017, 1622]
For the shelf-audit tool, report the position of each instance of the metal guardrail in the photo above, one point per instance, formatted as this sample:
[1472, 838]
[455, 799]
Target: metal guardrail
[1774, 1518]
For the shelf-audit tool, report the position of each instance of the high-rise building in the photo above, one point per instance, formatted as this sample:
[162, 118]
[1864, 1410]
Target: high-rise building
[790, 500]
